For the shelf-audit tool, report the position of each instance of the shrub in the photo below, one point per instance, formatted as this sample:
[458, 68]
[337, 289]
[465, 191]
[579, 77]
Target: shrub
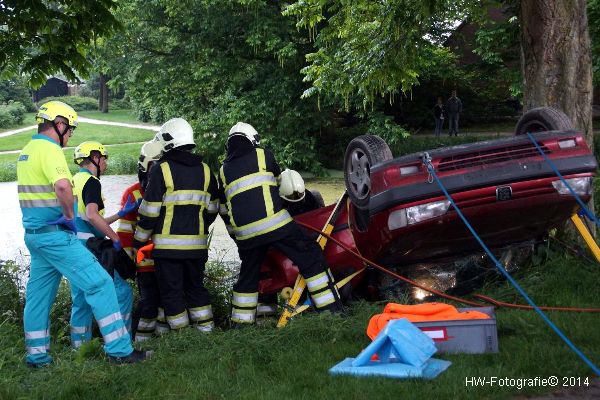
[10, 300]
[122, 164]
[8, 171]
[11, 114]
[119, 104]
[79, 103]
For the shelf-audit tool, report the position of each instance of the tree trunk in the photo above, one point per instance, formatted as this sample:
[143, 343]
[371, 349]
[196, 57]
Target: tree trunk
[556, 60]
[103, 100]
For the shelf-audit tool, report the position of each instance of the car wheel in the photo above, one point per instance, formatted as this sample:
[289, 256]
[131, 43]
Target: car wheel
[543, 119]
[361, 154]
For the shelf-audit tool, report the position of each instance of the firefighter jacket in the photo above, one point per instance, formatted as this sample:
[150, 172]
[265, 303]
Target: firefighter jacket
[127, 224]
[180, 203]
[249, 195]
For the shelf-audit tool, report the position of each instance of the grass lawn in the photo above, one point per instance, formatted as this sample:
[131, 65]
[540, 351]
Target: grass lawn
[122, 160]
[106, 134]
[267, 363]
[127, 116]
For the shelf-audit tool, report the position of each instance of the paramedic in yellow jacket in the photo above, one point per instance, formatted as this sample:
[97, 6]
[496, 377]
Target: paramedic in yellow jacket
[46, 200]
[92, 159]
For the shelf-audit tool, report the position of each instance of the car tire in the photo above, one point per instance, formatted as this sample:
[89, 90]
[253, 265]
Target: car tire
[543, 119]
[362, 153]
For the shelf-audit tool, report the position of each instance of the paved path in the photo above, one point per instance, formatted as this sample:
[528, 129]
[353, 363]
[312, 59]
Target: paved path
[87, 121]
[71, 147]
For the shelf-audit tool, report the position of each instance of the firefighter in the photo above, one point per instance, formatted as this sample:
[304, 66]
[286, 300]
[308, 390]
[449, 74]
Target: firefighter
[91, 222]
[252, 211]
[180, 203]
[149, 312]
[47, 205]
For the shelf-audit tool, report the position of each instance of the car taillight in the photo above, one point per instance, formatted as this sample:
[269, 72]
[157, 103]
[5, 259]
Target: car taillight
[581, 186]
[416, 214]
[567, 144]
[409, 170]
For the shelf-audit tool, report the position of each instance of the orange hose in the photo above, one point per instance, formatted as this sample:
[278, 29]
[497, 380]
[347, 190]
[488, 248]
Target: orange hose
[441, 294]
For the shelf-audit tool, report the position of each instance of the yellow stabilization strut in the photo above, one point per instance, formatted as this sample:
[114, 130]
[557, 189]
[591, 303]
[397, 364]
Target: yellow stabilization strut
[585, 234]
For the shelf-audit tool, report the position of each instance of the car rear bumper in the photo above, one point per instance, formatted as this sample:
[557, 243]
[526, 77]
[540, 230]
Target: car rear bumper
[490, 176]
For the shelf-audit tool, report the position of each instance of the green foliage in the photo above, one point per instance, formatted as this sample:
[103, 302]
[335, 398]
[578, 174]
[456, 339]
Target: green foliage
[10, 300]
[8, 171]
[593, 13]
[79, 103]
[11, 114]
[367, 48]
[216, 63]
[14, 89]
[218, 280]
[42, 38]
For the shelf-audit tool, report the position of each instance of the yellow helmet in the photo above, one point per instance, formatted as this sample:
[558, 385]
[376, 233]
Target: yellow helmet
[52, 109]
[84, 150]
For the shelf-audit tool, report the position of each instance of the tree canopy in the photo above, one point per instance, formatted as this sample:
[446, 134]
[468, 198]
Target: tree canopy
[41, 38]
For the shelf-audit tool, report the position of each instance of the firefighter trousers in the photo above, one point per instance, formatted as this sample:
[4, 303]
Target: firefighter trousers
[305, 254]
[184, 297]
[149, 309]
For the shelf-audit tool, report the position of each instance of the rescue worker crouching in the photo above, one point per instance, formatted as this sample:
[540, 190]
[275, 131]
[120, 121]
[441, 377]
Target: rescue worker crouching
[92, 159]
[252, 211]
[296, 199]
[180, 203]
[47, 204]
[149, 313]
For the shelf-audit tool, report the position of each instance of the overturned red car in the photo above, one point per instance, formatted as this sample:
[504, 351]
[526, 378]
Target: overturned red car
[396, 215]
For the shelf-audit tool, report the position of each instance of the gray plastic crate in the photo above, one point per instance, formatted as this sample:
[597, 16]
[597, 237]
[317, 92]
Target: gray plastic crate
[464, 336]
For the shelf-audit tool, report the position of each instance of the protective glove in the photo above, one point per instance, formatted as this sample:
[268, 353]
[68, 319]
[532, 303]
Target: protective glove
[130, 205]
[66, 222]
[117, 245]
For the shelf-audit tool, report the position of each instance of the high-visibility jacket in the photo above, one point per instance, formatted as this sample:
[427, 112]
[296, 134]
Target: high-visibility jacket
[126, 227]
[85, 229]
[250, 202]
[40, 165]
[180, 203]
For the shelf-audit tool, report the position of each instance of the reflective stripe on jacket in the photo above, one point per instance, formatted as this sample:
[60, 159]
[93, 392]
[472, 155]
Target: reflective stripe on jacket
[249, 190]
[39, 166]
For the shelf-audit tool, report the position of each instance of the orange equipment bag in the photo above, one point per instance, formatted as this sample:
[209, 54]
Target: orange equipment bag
[419, 313]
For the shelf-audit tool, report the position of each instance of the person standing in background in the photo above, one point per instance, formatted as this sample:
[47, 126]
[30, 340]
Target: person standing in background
[453, 107]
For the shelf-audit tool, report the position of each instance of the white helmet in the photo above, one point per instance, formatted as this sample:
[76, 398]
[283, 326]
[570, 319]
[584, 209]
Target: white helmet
[245, 130]
[151, 151]
[174, 133]
[291, 186]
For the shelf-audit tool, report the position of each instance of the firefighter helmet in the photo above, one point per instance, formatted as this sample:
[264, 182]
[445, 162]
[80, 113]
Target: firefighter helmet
[175, 133]
[150, 151]
[291, 186]
[245, 130]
